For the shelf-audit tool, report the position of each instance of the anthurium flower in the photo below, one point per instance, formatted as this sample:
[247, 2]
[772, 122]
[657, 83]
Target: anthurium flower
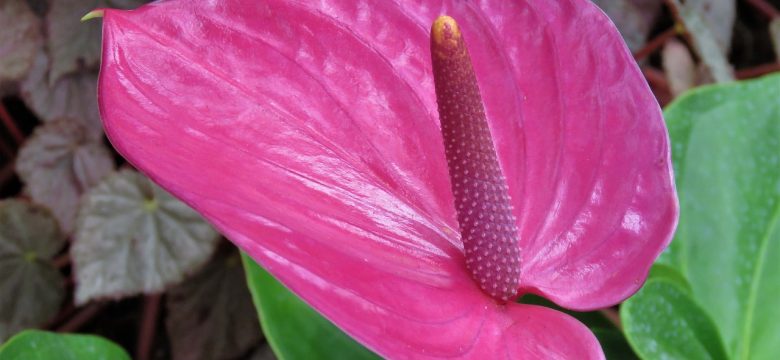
[308, 133]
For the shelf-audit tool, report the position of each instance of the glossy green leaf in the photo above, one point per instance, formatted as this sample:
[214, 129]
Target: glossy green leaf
[726, 152]
[670, 274]
[44, 345]
[31, 288]
[133, 237]
[662, 322]
[294, 330]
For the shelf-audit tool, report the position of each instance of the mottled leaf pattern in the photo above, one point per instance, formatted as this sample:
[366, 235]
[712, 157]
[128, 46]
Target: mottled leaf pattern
[31, 289]
[210, 316]
[133, 237]
[70, 97]
[20, 39]
[59, 163]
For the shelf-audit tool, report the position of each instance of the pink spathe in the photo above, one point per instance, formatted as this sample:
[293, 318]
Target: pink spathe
[307, 133]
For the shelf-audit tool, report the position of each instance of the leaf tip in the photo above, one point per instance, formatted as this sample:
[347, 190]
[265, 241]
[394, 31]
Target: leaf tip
[93, 14]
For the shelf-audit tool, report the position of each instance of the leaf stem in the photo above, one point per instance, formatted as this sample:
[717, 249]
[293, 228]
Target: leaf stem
[765, 8]
[64, 314]
[7, 151]
[613, 316]
[82, 317]
[6, 173]
[679, 21]
[10, 125]
[61, 261]
[757, 71]
[658, 84]
[656, 43]
[148, 326]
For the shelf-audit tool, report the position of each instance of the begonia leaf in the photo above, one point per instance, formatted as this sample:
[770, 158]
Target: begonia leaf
[705, 42]
[774, 33]
[74, 46]
[726, 140]
[59, 163]
[679, 67]
[633, 18]
[44, 345]
[719, 16]
[39, 7]
[308, 134]
[31, 288]
[71, 97]
[133, 237]
[210, 316]
[662, 322]
[21, 39]
[293, 329]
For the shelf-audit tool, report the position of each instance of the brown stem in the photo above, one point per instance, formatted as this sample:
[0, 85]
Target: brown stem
[613, 316]
[62, 261]
[658, 83]
[679, 22]
[655, 78]
[757, 71]
[9, 124]
[7, 151]
[6, 173]
[148, 326]
[655, 44]
[765, 8]
[82, 317]
[64, 314]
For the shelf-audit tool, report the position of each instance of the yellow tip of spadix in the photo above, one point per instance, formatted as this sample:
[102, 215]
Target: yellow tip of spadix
[445, 31]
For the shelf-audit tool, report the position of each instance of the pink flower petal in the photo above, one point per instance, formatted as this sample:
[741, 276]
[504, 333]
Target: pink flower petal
[307, 133]
[583, 146]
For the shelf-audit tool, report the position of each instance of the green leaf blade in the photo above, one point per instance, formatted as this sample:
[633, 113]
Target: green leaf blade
[726, 152]
[44, 345]
[293, 329]
[662, 322]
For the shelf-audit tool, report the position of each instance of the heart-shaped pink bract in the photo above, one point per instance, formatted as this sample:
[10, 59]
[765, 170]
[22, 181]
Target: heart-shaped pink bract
[307, 133]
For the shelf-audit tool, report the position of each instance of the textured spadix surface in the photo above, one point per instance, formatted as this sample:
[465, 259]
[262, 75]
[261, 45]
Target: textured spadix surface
[307, 133]
[485, 218]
